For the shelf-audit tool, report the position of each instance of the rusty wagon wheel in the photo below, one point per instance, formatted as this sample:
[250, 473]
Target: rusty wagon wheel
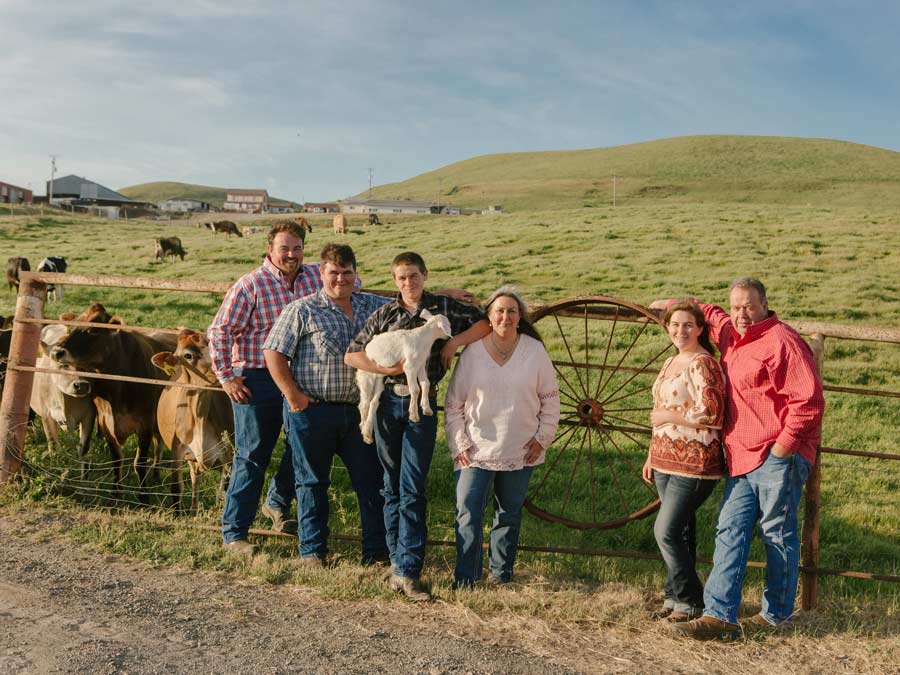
[607, 354]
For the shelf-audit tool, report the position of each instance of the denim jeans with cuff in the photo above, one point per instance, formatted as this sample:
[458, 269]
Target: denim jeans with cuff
[676, 535]
[473, 488]
[405, 450]
[769, 495]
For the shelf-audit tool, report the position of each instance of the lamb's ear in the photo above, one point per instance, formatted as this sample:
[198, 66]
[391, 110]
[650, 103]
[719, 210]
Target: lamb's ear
[425, 314]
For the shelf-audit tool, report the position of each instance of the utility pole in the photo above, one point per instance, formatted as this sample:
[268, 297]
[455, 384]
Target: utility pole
[371, 176]
[52, 175]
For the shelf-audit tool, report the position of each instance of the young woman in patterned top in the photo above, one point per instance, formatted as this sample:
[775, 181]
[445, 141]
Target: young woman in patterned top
[685, 458]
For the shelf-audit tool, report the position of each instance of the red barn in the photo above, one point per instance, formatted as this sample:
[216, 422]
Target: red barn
[12, 194]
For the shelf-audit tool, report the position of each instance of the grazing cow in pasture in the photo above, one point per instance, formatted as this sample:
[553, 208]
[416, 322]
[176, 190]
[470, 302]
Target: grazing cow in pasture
[339, 223]
[58, 264]
[170, 246]
[13, 267]
[304, 223]
[373, 219]
[62, 401]
[196, 424]
[123, 408]
[225, 226]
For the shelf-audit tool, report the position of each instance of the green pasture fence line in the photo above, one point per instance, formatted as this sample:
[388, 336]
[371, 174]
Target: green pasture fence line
[29, 318]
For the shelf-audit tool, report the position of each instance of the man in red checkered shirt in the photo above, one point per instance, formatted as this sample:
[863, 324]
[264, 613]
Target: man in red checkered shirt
[236, 338]
[773, 424]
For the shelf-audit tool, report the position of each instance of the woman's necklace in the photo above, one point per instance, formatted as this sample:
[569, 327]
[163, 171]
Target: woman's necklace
[504, 354]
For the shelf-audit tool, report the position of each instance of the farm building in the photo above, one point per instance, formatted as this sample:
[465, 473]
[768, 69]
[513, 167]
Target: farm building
[11, 194]
[74, 189]
[321, 207]
[183, 205]
[389, 206]
[251, 201]
[280, 207]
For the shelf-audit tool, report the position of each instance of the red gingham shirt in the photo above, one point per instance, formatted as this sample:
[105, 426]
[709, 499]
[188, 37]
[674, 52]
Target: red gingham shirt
[774, 393]
[237, 334]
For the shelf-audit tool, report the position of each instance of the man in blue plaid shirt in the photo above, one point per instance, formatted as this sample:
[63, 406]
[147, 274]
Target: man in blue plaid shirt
[304, 352]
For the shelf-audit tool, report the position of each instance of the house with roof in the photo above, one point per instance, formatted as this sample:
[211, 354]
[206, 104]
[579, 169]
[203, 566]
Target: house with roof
[183, 205]
[280, 207]
[248, 201]
[354, 205]
[322, 207]
[13, 194]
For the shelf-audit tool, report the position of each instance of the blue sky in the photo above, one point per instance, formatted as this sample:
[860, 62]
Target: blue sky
[302, 97]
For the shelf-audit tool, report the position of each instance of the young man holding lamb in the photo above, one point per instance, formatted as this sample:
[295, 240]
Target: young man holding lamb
[405, 448]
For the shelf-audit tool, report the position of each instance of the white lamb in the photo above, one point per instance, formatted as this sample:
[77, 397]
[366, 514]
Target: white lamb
[413, 347]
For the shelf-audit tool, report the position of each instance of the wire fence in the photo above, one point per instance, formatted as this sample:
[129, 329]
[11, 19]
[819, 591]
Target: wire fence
[92, 481]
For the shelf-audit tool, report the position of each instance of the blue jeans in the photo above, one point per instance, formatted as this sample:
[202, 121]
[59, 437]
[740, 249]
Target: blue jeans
[473, 487]
[769, 494]
[676, 535]
[257, 424]
[405, 450]
[316, 435]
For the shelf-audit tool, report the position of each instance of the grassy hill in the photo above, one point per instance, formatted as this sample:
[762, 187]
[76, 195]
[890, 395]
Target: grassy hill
[719, 169]
[162, 190]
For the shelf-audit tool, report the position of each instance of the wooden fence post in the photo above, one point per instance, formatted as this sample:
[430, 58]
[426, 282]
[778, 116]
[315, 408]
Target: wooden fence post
[811, 517]
[17, 388]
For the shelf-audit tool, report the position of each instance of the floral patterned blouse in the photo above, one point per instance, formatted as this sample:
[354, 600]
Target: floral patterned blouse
[697, 393]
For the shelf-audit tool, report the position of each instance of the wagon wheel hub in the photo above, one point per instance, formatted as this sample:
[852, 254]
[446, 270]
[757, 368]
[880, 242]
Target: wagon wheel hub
[590, 412]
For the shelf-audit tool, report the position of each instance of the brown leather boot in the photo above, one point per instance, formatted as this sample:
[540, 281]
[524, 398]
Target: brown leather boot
[707, 628]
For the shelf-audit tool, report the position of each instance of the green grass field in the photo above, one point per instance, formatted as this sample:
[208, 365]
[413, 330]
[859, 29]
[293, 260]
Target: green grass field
[836, 264]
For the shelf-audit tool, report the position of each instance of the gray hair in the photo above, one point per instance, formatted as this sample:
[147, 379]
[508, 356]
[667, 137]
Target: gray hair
[747, 283]
[525, 325]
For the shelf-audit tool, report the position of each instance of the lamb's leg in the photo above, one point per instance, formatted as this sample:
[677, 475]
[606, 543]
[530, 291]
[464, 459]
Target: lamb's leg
[412, 380]
[377, 388]
[426, 389]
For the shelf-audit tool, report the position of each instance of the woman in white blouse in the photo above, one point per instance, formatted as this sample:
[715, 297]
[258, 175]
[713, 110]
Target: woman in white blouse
[501, 414]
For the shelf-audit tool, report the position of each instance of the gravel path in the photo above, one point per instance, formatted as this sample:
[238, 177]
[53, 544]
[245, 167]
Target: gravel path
[67, 609]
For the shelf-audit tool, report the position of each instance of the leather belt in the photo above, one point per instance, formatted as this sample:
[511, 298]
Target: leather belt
[403, 390]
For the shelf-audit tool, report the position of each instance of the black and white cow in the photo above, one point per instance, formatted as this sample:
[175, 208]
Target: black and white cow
[53, 263]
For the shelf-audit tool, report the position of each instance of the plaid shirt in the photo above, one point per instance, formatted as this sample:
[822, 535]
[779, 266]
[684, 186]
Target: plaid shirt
[314, 333]
[774, 393]
[393, 316]
[250, 308]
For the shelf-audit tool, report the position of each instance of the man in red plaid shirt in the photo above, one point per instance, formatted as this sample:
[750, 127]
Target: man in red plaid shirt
[236, 338]
[773, 424]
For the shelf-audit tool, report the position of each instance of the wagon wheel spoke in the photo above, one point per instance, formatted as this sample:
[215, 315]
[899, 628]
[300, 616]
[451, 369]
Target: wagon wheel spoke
[571, 358]
[627, 461]
[574, 469]
[559, 453]
[636, 373]
[612, 331]
[614, 474]
[621, 360]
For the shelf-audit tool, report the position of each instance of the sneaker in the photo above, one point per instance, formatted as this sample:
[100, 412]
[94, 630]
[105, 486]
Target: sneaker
[411, 588]
[707, 628]
[280, 522]
[240, 547]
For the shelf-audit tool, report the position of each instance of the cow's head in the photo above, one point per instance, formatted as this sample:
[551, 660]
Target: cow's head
[70, 385]
[87, 348]
[191, 357]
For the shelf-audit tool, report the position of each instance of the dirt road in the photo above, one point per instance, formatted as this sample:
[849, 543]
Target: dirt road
[66, 609]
